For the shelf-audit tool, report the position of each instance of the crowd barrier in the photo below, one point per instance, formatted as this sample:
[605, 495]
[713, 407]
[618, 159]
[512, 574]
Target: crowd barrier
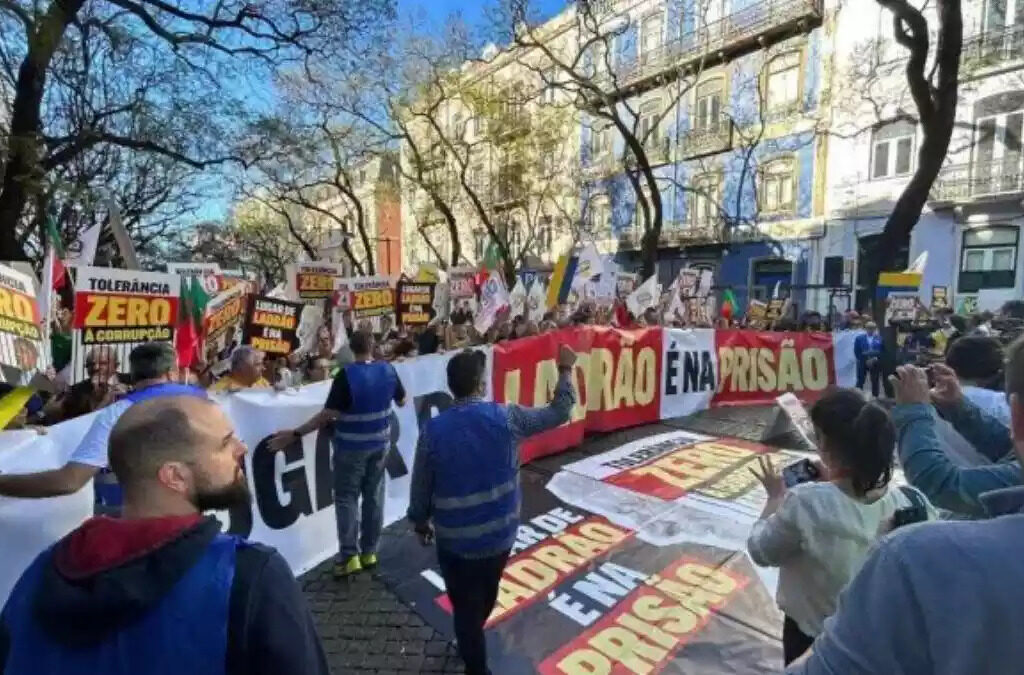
[622, 378]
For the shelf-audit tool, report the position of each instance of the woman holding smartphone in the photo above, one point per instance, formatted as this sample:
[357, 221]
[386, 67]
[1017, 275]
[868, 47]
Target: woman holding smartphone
[818, 533]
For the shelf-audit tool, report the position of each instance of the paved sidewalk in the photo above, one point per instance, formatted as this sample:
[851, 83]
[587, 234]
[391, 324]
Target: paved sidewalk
[364, 627]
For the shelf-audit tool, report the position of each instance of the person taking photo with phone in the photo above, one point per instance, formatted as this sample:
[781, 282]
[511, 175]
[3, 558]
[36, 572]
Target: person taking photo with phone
[818, 532]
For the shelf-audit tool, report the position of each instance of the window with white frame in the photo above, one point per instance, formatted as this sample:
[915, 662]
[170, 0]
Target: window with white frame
[600, 140]
[704, 200]
[708, 107]
[988, 258]
[650, 36]
[892, 149]
[782, 81]
[997, 164]
[650, 124]
[778, 186]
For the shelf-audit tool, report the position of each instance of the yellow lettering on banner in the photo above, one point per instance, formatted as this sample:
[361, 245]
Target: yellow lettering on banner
[624, 646]
[582, 546]
[581, 373]
[117, 308]
[510, 593]
[125, 311]
[512, 381]
[766, 370]
[666, 476]
[725, 450]
[545, 379]
[645, 629]
[602, 369]
[698, 471]
[16, 306]
[789, 371]
[815, 367]
[725, 359]
[585, 662]
[652, 608]
[740, 367]
[559, 557]
[603, 532]
[532, 573]
[693, 598]
[624, 379]
[646, 377]
[713, 580]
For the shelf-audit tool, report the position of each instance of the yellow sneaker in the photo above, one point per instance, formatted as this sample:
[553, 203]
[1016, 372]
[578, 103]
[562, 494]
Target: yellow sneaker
[368, 560]
[351, 566]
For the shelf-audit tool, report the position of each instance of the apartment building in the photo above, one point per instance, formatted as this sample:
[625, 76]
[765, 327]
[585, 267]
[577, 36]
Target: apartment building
[971, 225]
[376, 186]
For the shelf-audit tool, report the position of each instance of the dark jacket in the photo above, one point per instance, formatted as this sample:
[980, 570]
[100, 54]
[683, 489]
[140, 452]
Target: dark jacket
[110, 572]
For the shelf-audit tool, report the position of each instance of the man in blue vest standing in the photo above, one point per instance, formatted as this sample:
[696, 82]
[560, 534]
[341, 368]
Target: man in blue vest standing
[160, 590]
[466, 480]
[359, 406]
[153, 368]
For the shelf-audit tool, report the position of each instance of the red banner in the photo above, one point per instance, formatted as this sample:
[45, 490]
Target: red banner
[615, 378]
[757, 366]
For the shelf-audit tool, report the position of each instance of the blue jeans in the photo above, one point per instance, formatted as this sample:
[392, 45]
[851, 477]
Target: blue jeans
[358, 473]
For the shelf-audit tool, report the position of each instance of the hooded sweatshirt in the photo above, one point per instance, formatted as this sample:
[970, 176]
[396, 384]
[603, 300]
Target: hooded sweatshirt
[109, 573]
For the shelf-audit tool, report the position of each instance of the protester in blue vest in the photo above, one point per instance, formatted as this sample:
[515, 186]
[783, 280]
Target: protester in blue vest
[359, 407]
[153, 368]
[466, 480]
[867, 348]
[160, 591]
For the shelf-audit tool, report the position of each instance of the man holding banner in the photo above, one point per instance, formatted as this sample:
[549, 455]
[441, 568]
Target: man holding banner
[359, 406]
[153, 368]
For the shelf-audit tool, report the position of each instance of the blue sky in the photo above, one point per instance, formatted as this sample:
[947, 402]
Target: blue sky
[472, 11]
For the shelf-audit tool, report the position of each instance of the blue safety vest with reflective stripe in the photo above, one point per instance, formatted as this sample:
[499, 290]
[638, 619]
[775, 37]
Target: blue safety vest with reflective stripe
[365, 425]
[475, 465]
[186, 632]
[105, 486]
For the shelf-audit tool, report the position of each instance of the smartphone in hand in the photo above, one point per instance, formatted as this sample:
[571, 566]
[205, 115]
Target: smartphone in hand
[802, 471]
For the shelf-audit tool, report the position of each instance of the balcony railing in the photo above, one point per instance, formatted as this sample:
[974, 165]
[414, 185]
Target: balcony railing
[658, 150]
[732, 31]
[707, 139]
[993, 47]
[979, 180]
[512, 122]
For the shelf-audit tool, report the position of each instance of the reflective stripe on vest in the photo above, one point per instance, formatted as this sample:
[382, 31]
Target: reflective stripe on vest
[365, 425]
[475, 464]
[186, 632]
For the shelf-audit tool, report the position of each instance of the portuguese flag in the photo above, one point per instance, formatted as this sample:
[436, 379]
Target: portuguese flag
[188, 335]
[729, 304]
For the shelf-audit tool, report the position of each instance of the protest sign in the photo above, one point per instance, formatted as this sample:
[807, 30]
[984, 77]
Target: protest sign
[461, 281]
[940, 297]
[312, 282]
[82, 251]
[415, 303]
[517, 299]
[209, 274]
[777, 308]
[901, 307]
[493, 296]
[536, 301]
[625, 283]
[121, 309]
[367, 297]
[22, 348]
[271, 325]
[645, 296]
[757, 313]
[222, 325]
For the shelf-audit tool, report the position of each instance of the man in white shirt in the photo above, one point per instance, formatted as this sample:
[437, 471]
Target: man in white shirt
[978, 364]
[153, 368]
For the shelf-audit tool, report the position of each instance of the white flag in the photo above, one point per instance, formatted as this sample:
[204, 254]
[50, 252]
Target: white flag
[517, 298]
[536, 301]
[82, 251]
[919, 263]
[645, 296]
[588, 266]
[493, 296]
[442, 301]
[46, 290]
[124, 241]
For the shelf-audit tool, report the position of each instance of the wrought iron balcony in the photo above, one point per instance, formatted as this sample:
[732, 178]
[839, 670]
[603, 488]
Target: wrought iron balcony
[708, 139]
[980, 181]
[658, 150]
[993, 47]
[743, 28]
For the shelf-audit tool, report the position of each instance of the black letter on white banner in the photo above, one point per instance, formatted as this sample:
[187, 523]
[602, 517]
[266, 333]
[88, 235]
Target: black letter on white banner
[293, 483]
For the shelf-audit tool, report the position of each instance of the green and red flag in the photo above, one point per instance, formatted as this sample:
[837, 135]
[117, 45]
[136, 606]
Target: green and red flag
[188, 336]
[729, 304]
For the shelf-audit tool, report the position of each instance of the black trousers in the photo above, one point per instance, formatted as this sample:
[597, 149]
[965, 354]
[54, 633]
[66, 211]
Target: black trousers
[794, 641]
[472, 585]
[862, 374]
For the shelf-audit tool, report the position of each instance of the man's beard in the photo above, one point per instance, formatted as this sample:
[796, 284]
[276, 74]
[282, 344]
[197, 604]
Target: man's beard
[221, 497]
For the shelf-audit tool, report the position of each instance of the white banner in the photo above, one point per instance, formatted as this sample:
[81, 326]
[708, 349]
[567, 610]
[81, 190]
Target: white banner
[689, 371]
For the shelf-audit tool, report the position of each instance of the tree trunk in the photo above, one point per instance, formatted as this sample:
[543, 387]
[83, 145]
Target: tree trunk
[22, 173]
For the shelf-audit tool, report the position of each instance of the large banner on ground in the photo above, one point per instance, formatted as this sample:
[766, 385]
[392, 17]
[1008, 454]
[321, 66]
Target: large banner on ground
[623, 379]
[22, 349]
[119, 310]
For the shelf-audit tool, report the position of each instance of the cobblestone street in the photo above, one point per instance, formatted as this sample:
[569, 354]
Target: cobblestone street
[366, 629]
